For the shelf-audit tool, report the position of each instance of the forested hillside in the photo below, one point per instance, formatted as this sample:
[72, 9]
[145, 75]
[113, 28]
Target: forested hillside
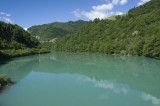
[15, 41]
[53, 30]
[136, 33]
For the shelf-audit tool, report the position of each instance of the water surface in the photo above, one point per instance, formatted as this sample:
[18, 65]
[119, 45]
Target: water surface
[81, 79]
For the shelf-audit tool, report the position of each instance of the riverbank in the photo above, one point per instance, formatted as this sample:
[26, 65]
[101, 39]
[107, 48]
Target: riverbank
[10, 53]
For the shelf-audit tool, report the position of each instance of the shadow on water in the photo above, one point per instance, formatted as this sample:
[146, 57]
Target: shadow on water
[140, 73]
[3, 89]
[4, 61]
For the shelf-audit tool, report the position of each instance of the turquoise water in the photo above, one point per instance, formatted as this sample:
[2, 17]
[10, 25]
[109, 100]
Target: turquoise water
[81, 79]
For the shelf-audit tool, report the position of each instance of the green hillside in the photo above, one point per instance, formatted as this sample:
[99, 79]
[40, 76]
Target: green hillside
[53, 30]
[15, 41]
[137, 33]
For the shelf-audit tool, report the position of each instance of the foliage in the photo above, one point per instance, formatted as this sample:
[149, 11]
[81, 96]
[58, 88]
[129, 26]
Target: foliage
[15, 41]
[52, 30]
[13, 36]
[4, 80]
[136, 33]
[10, 53]
[47, 45]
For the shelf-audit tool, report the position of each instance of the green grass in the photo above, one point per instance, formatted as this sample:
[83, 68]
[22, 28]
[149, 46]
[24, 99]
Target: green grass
[114, 17]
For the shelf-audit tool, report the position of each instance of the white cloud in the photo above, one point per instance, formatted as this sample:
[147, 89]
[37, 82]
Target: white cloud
[122, 2]
[7, 20]
[115, 2]
[94, 14]
[26, 28]
[118, 13]
[6, 14]
[103, 7]
[76, 13]
[100, 11]
[2, 13]
[4, 17]
[143, 2]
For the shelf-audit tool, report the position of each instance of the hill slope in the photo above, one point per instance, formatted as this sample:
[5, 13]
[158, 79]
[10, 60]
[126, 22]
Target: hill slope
[53, 30]
[13, 36]
[137, 33]
[15, 41]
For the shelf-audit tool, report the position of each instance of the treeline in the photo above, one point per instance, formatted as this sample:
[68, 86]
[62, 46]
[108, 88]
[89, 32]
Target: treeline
[52, 30]
[136, 33]
[15, 38]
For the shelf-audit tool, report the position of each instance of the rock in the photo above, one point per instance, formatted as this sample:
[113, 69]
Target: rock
[4, 80]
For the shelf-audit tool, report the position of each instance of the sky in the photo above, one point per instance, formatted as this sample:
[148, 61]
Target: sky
[26, 13]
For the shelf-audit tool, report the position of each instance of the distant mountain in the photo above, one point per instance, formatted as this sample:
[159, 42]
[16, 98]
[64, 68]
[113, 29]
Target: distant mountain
[53, 30]
[136, 33]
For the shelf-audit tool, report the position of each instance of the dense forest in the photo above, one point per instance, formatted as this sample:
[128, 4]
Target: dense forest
[15, 41]
[52, 30]
[136, 33]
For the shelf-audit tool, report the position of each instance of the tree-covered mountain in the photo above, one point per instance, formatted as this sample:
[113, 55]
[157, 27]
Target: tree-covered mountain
[13, 36]
[53, 30]
[15, 41]
[136, 33]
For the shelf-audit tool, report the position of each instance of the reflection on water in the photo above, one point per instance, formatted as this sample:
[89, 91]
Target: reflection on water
[121, 89]
[148, 97]
[120, 78]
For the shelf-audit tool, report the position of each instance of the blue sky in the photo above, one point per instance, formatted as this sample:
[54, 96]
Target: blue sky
[27, 13]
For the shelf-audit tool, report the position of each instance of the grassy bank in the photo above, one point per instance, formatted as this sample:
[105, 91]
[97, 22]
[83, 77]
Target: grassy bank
[10, 53]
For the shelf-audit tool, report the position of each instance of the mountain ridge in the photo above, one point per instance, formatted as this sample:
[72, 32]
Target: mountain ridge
[52, 30]
[137, 33]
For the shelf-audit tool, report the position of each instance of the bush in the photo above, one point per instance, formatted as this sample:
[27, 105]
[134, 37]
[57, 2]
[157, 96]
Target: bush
[4, 80]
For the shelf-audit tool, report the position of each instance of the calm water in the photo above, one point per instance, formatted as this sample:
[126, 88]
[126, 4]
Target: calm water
[81, 79]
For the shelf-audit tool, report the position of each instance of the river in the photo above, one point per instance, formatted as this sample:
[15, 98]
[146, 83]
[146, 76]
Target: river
[81, 79]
